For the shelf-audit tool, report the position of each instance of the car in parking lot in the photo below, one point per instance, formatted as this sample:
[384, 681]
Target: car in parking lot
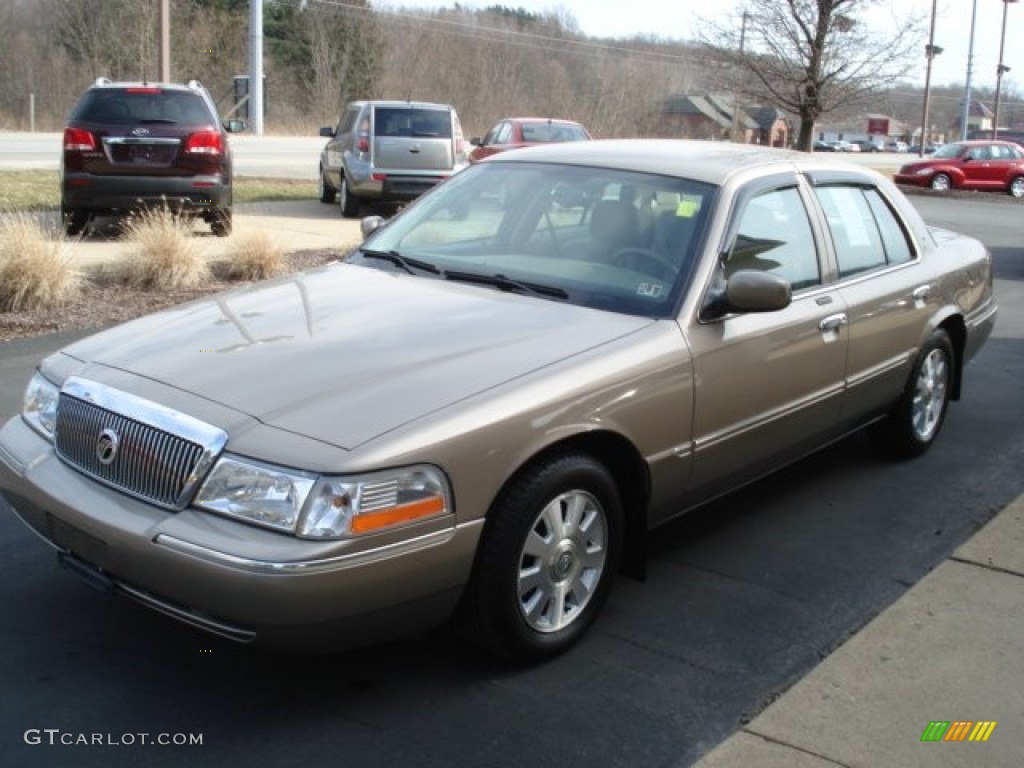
[132, 145]
[866, 145]
[995, 166]
[519, 132]
[491, 402]
[389, 152]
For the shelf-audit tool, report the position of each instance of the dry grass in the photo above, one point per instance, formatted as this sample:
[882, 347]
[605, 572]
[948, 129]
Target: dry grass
[255, 256]
[35, 271]
[169, 257]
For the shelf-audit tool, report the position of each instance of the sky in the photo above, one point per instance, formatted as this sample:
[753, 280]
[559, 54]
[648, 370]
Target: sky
[606, 18]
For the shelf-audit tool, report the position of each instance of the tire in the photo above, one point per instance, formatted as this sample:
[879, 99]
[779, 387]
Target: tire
[547, 559]
[913, 425]
[941, 182]
[1016, 188]
[326, 191]
[220, 225]
[74, 220]
[349, 203]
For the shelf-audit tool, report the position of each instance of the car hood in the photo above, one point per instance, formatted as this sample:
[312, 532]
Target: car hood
[346, 353]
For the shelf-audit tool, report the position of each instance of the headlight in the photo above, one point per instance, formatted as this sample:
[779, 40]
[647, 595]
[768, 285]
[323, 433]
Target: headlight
[351, 506]
[258, 493]
[40, 407]
[323, 507]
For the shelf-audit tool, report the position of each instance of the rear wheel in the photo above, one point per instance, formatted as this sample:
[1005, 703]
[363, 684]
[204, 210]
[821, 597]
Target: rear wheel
[326, 191]
[1017, 187]
[941, 182]
[547, 559]
[220, 225]
[914, 424]
[74, 220]
[349, 203]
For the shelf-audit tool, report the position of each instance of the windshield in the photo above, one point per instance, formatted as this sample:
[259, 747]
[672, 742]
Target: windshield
[597, 237]
[948, 151]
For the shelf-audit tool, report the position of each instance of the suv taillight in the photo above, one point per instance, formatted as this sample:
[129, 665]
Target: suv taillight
[205, 143]
[78, 140]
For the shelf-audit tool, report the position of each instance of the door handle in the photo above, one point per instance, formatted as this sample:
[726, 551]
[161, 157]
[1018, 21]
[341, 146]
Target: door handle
[922, 293]
[833, 322]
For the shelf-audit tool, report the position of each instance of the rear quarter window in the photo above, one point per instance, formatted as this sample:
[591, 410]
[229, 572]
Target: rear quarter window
[866, 234]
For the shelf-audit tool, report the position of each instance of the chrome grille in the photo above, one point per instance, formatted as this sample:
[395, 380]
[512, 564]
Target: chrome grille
[159, 455]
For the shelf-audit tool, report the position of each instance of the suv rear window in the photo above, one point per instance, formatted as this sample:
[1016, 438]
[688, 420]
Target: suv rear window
[413, 123]
[136, 105]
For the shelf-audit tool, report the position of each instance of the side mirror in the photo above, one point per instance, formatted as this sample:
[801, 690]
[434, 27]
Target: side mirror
[327, 132]
[749, 290]
[476, 141]
[371, 224]
[234, 125]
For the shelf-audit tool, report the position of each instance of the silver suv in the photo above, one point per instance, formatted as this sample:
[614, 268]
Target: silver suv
[389, 152]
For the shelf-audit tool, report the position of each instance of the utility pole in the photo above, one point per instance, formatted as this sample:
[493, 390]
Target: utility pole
[965, 118]
[165, 41]
[930, 51]
[1001, 69]
[736, 95]
[256, 66]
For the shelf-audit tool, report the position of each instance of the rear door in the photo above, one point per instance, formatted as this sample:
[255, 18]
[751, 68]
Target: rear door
[889, 291]
[412, 138]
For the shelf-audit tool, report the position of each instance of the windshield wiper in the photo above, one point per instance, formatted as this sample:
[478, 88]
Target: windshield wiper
[504, 283]
[403, 262]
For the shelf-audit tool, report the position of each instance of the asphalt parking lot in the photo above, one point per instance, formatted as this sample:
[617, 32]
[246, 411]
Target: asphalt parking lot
[743, 601]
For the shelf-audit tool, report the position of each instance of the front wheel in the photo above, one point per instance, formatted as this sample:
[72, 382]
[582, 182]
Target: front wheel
[547, 559]
[913, 425]
[941, 182]
[1017, 187]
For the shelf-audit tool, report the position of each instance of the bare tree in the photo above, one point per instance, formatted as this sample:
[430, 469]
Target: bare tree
[812, 57]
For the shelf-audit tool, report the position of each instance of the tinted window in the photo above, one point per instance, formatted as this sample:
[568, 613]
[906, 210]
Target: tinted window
[140, 105]
[413, 123]
[549, 132]
[774, 235]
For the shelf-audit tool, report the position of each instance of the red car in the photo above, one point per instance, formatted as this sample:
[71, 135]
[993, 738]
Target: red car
[516, 132]
[982, 165]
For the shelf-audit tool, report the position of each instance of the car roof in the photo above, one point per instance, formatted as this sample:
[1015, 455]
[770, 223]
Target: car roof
[102, 83]
[713, 162]
[406, 104]
[556, 120]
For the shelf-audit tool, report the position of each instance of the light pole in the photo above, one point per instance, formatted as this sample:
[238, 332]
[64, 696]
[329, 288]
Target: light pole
[930, 51]
[1001, 69]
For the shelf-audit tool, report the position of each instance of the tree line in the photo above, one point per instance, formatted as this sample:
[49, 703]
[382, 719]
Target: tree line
[489, 63]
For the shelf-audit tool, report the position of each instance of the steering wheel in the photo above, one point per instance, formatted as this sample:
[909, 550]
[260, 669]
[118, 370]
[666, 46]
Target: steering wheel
[644, 260]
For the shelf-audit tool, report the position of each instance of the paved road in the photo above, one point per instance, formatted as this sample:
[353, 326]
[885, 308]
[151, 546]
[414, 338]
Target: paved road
[289, 157]
[283, 157]
[742, 599]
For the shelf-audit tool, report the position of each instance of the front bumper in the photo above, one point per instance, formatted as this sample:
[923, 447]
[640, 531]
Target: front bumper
[118, 194]
[230, 578]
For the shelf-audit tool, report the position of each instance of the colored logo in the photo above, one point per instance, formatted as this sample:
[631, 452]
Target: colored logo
[958, 730]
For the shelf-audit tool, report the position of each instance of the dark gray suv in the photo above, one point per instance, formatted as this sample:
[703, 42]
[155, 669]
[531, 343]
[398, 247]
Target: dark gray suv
[389, 152]
[133, 145]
